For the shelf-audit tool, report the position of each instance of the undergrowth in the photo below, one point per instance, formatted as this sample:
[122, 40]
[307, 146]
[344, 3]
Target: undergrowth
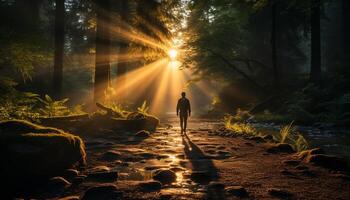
[287, 134]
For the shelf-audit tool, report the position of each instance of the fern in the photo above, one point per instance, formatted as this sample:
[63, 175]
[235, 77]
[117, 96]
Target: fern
[143, 108]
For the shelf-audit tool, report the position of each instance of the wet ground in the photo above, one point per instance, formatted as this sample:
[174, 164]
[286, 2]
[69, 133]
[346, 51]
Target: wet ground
[206, 166]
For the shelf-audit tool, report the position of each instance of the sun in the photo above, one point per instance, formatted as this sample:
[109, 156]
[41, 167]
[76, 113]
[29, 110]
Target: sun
[172, 54]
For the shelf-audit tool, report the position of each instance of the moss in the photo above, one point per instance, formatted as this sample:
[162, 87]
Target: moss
[41, 153]
[17, 127]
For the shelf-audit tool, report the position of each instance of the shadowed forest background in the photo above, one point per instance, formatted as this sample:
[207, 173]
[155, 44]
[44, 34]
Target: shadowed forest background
[269, 71]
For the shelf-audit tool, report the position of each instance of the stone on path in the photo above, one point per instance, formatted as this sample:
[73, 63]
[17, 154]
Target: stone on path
[201, 176]
[165, 176]
[111, 155]
[150, 186]
[143, 134]
[102, 192]
[283, 194]
[110, 176]
[237, 191]
[280, 148]
[58, 183]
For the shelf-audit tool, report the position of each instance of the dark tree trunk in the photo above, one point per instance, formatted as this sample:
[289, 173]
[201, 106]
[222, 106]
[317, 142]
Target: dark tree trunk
[346, 30]
[103, 43]
[59, 49]
[122, 66]
[315, 72]
[276, 74]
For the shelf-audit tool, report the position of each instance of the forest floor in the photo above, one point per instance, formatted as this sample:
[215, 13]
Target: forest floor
[206, 166]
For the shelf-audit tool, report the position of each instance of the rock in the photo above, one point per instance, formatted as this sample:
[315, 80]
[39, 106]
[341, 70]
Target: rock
[79, 179]
[286, 173]
[307, 172]
[237, 191]
[58, 183]
[305, 154]
[280, 148]
[216, 186]
[301, 167]
[292, 162]
[268, 137]
[201, 176]
[165, 176]
[102, 192]
[143, 134]
[70, 198]
[103, 176]
[257, 139]
[70, 174]
[101, 168]
[283, 194]
[111, 155]
[330, 162]
[150, 186]
[36, 152]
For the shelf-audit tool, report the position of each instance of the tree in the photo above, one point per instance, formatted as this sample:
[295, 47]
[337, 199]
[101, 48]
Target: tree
[103, 43]
[276, 75]
[315, 71]
[59, 48]
[346, 29]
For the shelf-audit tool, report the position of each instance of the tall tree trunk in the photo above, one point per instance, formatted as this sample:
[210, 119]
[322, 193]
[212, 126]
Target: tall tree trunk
[346, 30]
[59, 48]
[103, 43]
[315, 72]
[122, 66]
[276, 74]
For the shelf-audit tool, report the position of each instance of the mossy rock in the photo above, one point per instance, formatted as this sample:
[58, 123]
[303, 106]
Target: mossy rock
[16, 127]
[30, 152]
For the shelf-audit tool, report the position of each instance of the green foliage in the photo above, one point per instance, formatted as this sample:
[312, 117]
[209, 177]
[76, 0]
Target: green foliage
[143, 108]
[53, 108]
[119, 109]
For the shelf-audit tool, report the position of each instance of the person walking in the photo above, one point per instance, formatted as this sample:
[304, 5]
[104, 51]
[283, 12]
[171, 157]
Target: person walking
[183, 109]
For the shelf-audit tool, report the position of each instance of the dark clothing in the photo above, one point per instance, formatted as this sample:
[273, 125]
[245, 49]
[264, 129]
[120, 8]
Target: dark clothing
[184, 108]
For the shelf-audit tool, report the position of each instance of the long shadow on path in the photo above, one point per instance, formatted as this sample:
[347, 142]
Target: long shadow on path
[203, 168]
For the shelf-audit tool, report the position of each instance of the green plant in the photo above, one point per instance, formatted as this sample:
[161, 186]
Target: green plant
[52, 107]
[300, 144]
[285, 132]
[143, 108]
[241, 115]
[119, 109]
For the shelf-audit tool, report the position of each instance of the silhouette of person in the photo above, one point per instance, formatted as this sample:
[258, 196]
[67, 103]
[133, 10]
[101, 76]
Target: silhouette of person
[184, 109]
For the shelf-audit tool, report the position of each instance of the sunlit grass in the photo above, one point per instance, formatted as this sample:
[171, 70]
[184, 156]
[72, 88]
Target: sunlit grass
[287, 134]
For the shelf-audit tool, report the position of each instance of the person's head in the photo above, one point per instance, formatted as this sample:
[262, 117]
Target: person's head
[183, 94]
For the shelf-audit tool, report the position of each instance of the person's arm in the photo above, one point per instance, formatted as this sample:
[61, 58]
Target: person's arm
[189, 108]
[177, 108]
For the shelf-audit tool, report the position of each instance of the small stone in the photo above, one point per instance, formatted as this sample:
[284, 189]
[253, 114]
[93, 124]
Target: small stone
[143, 134]
[150, 186]
[103, 176]
[201, 176]
[268, 137]
[111, 155]
[216, 186]
[165, 176]
[257, 139]
[283, 194]
[237, 191]
[100, 169]
[70, 174]
[79, 179]
[292, 162]
[102, 192]
[58, 183]
[280, 148]
[301, 167]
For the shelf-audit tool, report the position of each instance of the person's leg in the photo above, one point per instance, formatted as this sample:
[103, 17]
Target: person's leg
[185, 122]
[181, 123]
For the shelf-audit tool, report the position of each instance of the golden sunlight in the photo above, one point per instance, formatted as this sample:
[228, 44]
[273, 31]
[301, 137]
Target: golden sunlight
[172, 54]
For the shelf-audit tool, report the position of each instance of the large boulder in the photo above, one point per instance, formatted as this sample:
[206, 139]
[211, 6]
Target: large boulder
[30, 152]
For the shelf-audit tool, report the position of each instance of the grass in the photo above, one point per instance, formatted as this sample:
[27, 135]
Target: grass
[287, 134]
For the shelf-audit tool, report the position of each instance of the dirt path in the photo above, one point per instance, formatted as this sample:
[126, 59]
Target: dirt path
[199, 158]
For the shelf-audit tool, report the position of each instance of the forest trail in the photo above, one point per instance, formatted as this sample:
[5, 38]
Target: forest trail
[205, 165]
